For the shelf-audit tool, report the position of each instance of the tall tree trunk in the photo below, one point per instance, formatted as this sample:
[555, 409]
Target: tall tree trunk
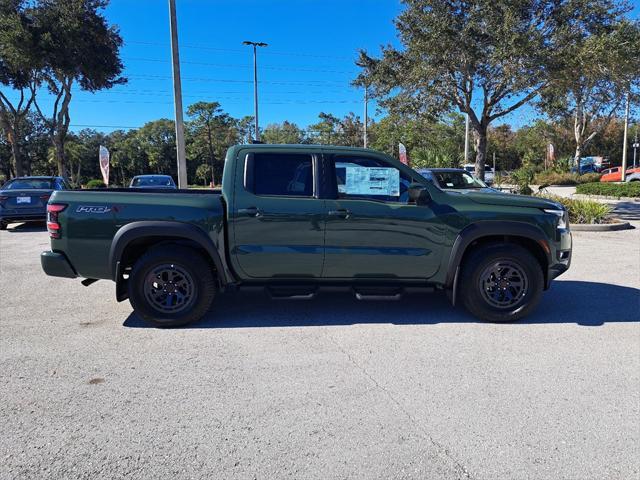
[16, 154]
[58, 145]
[58, 124]
[577, 155]
[481, 150]
[11, 121]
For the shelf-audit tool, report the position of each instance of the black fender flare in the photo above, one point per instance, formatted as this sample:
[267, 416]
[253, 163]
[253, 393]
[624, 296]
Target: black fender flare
[170, 229]
[478, 230]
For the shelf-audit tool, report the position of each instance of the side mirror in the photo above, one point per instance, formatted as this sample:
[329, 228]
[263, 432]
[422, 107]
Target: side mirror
[419, 194]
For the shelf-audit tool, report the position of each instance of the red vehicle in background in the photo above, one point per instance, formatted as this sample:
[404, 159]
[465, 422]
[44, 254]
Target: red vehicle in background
[615, 174]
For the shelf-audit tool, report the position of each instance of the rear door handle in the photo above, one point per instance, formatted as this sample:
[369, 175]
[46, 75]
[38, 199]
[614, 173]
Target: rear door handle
[250, 211]
[342, 213]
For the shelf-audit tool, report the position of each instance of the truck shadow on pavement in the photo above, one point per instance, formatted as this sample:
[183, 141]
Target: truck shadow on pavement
[27, 227]
[584, 303]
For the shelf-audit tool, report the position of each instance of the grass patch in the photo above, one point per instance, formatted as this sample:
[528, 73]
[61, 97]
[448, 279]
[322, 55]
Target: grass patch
[555, 178]
[629, 189]
[584, 211]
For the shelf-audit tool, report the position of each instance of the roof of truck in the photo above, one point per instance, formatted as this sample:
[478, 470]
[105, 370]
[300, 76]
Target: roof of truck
[283, 146]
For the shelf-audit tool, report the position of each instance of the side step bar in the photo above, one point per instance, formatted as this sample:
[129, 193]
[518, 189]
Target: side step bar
[307, 292]
[378, 293]
[291, 292]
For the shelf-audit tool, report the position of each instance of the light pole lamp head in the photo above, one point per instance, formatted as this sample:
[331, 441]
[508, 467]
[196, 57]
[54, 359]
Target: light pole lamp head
[255, 44]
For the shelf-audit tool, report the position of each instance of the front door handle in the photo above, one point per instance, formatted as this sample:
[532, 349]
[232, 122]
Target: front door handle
[342, 213]
[250, 211]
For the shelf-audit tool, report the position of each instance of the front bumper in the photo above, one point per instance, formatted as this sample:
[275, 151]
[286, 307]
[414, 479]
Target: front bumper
[561, 256]
[56, 264]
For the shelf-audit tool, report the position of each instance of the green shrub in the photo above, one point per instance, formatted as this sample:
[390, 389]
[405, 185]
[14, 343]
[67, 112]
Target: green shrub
[583, 211]
[563, 165]
[549, 177]
[432, 158]
[95, 183]
[523, 177]
[629, 189]
[589, 178]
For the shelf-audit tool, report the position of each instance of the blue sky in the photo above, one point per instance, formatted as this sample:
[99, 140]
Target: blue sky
[306, 69]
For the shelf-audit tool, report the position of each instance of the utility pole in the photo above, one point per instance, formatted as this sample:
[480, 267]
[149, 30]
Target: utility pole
[366, 116]
[177, 97]
[255, 81]
[635, 147]
[466, 139]
[624, 146]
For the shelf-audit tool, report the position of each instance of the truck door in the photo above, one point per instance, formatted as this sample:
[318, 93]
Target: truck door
[276, 219]
[372, 231]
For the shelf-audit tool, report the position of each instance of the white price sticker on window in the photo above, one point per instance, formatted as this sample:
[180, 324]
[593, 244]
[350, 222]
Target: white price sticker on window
[379, 181]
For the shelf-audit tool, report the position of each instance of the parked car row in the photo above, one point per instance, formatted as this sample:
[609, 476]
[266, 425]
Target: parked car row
[24, 199]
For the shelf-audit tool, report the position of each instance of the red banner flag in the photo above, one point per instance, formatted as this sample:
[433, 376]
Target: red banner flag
[402, 150]
[104, 164]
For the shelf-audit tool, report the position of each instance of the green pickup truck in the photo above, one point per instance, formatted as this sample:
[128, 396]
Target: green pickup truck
[296, 218]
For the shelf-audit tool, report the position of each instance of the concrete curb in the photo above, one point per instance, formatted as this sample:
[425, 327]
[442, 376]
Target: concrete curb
[582, 196]
[600, 227]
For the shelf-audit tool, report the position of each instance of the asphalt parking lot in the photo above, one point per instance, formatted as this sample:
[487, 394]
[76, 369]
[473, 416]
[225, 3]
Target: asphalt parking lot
[329, 388]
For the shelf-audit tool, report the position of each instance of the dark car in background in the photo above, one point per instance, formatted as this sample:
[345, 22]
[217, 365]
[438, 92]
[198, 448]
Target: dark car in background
[24, 199]
[455, 179]
[153, 181]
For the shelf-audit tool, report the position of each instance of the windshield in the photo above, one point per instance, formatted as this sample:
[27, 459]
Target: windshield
[458, 180]
[152, 182]
[29, 184]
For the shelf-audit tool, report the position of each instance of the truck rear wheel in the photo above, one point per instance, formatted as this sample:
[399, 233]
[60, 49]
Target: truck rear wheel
[171, 286]
[501, 283]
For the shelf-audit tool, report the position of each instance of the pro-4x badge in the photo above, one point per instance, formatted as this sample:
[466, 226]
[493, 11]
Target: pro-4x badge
[93, 209]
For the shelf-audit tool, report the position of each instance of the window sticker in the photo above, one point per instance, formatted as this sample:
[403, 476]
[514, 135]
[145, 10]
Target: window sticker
[356, 180]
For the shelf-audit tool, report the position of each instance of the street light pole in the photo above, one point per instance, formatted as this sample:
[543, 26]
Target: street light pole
[255, 82]
[177, 95]
[366, 116]
[624, 146]
[635, 147]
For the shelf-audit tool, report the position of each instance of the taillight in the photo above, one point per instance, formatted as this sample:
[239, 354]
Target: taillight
[45, 198]
[53, 226]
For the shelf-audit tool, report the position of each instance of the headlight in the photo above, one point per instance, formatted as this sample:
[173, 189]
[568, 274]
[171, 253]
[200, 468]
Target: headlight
[562, 217]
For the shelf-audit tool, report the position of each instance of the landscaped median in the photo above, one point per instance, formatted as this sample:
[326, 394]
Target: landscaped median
[590, 215]
[616, 191]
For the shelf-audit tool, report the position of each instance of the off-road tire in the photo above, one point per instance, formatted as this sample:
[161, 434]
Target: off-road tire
[479, 286]
[193, 277]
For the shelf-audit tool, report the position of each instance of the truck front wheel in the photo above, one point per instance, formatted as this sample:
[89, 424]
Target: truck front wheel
[171, 286]
[501, 283]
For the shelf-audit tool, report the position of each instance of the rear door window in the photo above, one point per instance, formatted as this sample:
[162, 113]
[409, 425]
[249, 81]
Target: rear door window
[289, 175]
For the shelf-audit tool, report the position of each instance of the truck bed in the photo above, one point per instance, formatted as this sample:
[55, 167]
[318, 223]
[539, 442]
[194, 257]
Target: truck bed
[92, 217]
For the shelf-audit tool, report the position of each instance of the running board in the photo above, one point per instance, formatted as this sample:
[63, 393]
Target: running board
[378, 293]
[291, 293]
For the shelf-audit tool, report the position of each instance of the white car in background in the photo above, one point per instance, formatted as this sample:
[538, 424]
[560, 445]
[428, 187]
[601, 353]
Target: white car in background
[488, 172]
